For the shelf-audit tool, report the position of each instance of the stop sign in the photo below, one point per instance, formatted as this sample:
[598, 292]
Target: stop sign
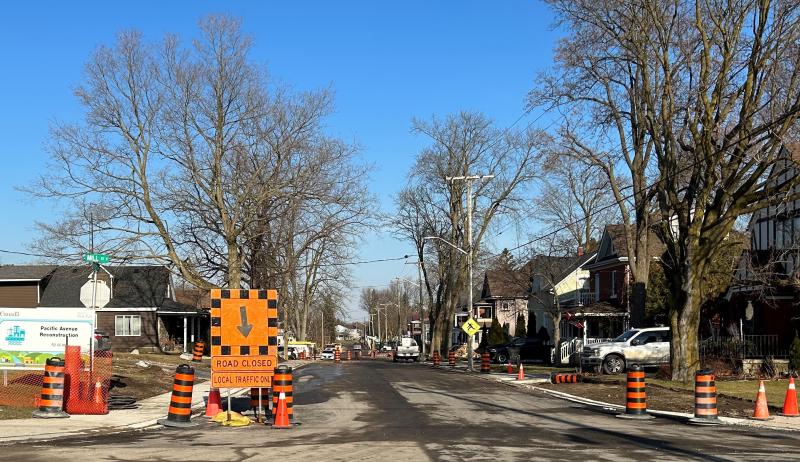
[102, 295]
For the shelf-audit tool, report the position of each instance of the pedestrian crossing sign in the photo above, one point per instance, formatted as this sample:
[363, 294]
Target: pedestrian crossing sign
[471, 327]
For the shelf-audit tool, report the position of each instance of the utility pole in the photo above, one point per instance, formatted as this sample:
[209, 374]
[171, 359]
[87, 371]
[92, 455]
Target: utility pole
[470, 250]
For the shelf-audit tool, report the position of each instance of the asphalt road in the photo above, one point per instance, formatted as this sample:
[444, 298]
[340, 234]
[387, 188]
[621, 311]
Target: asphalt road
[378, 411]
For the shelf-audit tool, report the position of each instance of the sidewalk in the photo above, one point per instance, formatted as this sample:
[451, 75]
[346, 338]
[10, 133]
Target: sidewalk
[776, 423]
[149, 411]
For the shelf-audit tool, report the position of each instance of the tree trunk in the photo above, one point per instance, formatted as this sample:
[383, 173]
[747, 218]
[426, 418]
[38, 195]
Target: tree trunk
[557, 336]
[684, 325]
[234, 267]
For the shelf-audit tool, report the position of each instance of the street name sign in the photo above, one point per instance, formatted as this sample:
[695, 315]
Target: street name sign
[471, 327]
[96, 258]
[244, 337]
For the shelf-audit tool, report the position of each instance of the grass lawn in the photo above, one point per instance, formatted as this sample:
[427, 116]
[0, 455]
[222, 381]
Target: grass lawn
[10, 412]
[744, 389]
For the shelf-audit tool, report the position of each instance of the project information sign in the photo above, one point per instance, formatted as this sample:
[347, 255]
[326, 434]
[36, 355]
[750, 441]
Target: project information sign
[28, 336]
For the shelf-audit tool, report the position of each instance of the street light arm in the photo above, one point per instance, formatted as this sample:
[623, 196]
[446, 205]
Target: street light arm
[427, 238]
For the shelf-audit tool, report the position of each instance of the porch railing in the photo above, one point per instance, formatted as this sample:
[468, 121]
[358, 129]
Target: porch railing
[749, 347]
[570, 350]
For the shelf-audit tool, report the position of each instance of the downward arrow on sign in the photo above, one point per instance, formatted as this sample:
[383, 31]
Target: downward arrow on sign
[244, 328]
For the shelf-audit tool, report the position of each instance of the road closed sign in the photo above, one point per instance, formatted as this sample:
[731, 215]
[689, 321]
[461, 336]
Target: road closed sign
[28, 336]
[244, 337]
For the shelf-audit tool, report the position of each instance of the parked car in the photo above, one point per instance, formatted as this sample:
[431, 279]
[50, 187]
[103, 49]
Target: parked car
[646, 347]
[327, 353]
[102, 342]
[407, 349]
[388, 346]
[525, 349]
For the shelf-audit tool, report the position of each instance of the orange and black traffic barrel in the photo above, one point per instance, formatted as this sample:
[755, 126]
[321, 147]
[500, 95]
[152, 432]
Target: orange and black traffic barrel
[179, 413]
[436, 360]
[51, 403]
[635, 395]
[263, 409]
[337, 356]
[349, 355]
[282, 382]
[563, 377]
[451, 359]
[705, 399]
[197, 353]
[485, 363]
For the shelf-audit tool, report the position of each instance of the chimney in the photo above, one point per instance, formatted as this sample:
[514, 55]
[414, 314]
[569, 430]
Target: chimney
[580, 251]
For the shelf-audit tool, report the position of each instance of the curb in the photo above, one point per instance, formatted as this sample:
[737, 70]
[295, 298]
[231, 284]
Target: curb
[614, 408]
[137, 426]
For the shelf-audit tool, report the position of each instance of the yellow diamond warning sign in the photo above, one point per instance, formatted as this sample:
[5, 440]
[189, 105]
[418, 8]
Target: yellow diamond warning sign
[471, 327]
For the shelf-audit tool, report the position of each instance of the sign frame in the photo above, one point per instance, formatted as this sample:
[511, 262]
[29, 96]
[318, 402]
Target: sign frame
[244, 337]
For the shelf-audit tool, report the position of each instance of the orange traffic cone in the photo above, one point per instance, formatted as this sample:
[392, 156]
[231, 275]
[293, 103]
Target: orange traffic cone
[510, 367]
[98, 393]
[521, 373]
[282, 414]
[762, 411]
[790, 403]
[214, 404]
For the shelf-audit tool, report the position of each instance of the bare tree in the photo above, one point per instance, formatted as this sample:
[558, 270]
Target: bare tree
[712, 95]
[576, 198]
[461, 145]
[598, 83]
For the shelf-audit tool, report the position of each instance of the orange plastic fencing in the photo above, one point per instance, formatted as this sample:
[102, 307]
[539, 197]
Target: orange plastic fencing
[22, 387]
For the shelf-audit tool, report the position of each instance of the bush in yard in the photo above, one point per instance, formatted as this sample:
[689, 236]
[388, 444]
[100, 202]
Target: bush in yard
[496, 333]
[519, 326]
[794, 356]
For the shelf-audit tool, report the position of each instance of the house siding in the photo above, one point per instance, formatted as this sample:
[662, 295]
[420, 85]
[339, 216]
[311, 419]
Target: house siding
[19, 294]
[149, 330]
[617, 296]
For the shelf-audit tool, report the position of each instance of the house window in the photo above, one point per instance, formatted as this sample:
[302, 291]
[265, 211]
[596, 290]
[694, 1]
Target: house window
[613, 285]
[505, 306]
[128, 326]
[596, 286]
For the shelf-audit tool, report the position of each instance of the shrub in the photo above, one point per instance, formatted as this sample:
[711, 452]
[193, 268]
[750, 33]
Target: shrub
[794, 355]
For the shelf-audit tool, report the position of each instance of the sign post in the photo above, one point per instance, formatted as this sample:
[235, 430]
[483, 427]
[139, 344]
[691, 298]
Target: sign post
[244, 338]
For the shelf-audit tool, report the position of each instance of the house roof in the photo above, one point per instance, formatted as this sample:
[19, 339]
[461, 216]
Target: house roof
[20, 272]
[618, 238]
[134, 286]
[595, 309]
[516, 283]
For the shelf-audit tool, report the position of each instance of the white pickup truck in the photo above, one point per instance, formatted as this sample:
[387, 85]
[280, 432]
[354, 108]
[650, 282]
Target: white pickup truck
[646, 347]
[406, 349]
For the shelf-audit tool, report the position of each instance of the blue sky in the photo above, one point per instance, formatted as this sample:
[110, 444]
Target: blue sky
[386, 62]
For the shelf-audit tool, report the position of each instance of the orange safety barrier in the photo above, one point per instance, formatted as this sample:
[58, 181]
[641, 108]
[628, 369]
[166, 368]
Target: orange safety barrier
[214, 403]
[563, 377]
[259, 409]
[349, 355]
[635, 395]
[281, 413]
[761, 411]
[282, 386]
[337, 356]
[790, 402]
[197, 352]
[705, 399]
[179, 413]
[436, 360]
[51, 403]
[87, 386]
[486, 366]
[451, 358]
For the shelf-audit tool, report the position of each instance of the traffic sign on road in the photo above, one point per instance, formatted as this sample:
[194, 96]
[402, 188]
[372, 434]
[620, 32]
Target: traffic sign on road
[244, 337]
[96, 258]
[471, 327]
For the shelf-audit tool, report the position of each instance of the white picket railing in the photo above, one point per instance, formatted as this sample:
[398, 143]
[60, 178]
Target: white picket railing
[574, 346]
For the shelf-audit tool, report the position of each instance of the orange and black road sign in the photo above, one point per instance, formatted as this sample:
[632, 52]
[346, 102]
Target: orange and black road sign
[244, 337]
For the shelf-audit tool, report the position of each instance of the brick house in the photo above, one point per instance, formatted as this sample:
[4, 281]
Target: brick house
[142, 312]
[765, 298]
